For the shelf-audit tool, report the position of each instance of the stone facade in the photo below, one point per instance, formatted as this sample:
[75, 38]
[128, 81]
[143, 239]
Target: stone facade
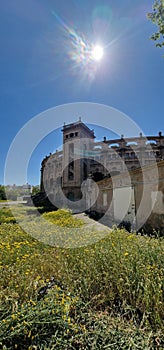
[82, 156]
[120, 179]
[145, 207]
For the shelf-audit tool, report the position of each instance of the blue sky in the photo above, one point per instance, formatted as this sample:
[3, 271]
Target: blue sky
[39, 69]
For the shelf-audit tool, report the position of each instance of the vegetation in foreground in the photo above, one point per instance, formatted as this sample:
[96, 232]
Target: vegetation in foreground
[108, 295]
[157, 18]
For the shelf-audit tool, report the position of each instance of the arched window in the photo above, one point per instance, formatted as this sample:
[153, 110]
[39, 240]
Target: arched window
[105, 202]
[51, 182]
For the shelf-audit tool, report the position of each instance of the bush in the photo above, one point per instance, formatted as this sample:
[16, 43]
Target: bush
[126, 225]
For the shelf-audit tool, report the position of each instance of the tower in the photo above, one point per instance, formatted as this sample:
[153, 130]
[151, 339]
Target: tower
[77, 142]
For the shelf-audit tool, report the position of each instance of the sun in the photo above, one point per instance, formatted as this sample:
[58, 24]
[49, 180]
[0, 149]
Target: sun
[97, 53]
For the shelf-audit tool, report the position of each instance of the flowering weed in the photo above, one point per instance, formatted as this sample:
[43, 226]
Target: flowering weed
[111, 295]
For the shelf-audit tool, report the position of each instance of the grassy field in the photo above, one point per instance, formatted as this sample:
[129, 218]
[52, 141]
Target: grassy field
[107, 295]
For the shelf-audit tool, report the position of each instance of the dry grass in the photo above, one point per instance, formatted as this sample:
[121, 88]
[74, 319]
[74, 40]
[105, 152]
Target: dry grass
[110, 294]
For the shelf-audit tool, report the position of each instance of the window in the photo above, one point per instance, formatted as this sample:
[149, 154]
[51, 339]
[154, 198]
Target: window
[133, 155]
[113, 156]
[71, 171]
[84, 171]
[105, 203]
[51, 182]
[151, 154]
[70, 175]
[46, 184]
[71, 148]
[84, 149]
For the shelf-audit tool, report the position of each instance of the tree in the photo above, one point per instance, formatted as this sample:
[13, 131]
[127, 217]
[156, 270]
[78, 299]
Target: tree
[35, 189]
[2, 193]
[157, 17]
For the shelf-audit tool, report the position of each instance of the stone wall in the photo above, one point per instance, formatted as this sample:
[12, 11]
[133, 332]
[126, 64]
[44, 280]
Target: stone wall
[103, 158]
[148, 186]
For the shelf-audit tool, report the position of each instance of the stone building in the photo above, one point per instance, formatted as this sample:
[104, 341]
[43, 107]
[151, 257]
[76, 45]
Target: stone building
[63, 173]
[136, 197]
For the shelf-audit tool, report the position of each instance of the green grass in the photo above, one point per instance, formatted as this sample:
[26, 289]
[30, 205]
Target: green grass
[109, 294]
[63, 218]
[6, 216]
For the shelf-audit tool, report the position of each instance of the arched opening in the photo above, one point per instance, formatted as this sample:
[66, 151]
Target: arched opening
[98, 147]
[151, 142]
[114, 145]
[132, 143]
[97, 176]
[71, 196]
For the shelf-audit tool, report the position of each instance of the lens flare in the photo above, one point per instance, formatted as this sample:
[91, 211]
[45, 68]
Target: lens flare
[81, 54]
[97, 53]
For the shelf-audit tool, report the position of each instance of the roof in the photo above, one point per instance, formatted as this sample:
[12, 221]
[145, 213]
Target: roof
[78, 123]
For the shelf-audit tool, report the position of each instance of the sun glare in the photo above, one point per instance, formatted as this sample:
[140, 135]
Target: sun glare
[97, 53]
